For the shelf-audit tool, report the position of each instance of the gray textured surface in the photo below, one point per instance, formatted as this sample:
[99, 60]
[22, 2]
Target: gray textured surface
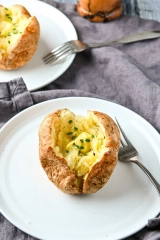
[126, 74]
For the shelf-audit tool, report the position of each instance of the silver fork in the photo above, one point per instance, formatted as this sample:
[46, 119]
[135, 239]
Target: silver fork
[76, 46]
[127, 152]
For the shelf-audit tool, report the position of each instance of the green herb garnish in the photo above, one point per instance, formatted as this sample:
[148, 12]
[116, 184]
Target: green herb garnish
[15, 31]
[69, 133]
[75, 128]
[70, 121]
[73, 137]
[87, 140]
[81, 147]
[76, 145]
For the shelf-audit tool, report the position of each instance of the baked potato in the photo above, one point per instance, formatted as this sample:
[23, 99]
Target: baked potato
[19, 36]
[78, 153]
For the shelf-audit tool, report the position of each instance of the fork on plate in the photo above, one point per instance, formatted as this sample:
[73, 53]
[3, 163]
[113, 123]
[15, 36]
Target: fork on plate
[128, 153]
[76, 46]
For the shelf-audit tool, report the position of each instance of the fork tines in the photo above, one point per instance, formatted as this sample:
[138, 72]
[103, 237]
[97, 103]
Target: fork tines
[57, 54]
[123, 135]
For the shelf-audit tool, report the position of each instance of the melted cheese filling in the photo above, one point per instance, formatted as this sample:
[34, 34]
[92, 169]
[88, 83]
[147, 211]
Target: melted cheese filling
[12, 25]
[80, 140]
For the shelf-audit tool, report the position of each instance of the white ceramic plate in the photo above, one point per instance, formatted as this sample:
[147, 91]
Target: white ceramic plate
[56, 29]
[32, 203]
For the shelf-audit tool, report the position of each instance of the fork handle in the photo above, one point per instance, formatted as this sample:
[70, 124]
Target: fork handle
[150, 176]
[129, 39]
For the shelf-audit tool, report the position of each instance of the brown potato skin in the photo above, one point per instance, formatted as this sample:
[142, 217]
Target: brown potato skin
[23, 50]
[59, 172]
[55, 167]
[102, 170]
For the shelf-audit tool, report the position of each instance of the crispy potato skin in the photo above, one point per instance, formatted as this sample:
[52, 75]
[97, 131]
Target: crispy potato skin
[23, 50]
[55, 167]
[102, 170]
[59, 172]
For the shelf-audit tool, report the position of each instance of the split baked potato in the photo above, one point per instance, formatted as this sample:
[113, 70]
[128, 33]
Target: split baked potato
[78, 153]
[19, 36]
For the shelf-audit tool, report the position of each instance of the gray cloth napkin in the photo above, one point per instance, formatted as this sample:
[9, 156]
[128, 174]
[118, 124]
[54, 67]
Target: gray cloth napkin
[126, 74]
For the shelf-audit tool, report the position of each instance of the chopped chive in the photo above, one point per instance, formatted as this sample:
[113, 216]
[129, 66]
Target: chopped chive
[92, 136]
[87, 140]
[15, 31]
[69, 133]
[6, 8]
[75, 128]
[94, 154]
[70, 121]
[73, 137]
[7, 15]
[9, 42]
[76, 145]
[81, 147]
[67, 151]
[82, 141]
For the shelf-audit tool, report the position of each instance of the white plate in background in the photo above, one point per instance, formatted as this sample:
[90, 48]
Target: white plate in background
[55, 29]
[31, 202]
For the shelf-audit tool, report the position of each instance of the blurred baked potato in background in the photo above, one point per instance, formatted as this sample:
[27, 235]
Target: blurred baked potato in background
[78, 153]
[19, 36]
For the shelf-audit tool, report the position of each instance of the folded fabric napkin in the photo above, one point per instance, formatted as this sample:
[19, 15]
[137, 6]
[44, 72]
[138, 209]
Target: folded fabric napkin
[125, 74]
